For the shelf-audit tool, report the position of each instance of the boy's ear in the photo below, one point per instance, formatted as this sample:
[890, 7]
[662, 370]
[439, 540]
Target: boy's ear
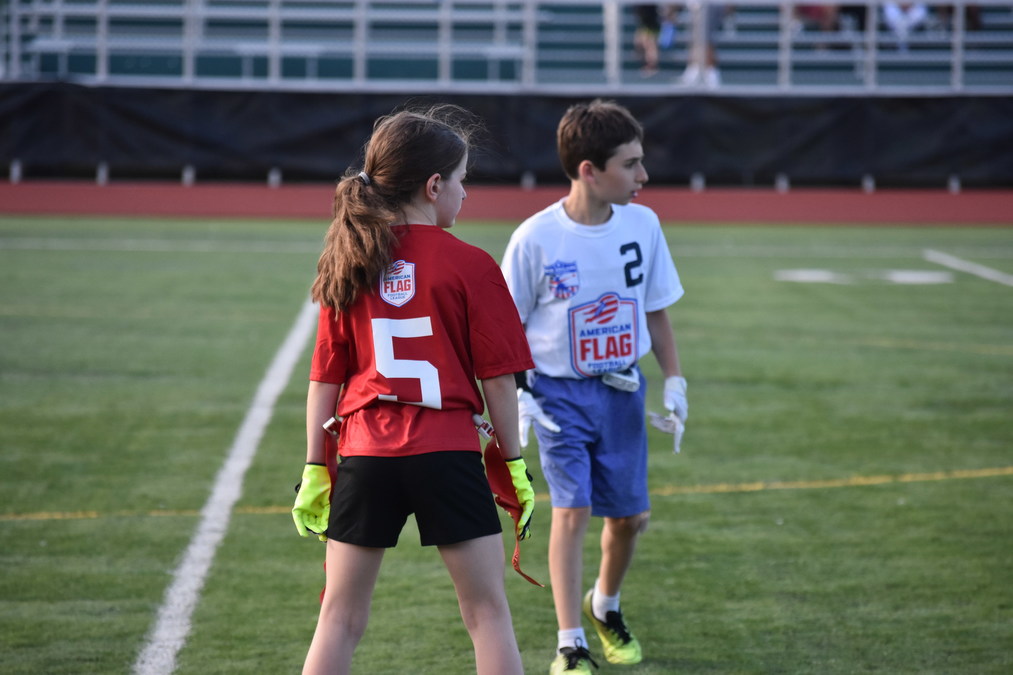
[585, 170]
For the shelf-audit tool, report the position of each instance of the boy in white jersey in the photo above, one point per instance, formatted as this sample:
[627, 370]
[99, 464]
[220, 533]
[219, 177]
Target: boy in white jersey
[592, 276]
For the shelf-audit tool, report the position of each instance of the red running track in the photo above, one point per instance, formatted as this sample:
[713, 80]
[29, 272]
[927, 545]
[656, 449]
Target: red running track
[513, 204]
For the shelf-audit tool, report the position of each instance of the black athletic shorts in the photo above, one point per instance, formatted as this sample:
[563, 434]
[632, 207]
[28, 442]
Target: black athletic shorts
[447, 491]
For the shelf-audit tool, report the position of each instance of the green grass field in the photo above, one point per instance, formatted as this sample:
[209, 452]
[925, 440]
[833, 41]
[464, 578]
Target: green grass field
[843, 502]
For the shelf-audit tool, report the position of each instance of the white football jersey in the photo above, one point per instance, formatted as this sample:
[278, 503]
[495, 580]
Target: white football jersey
[583, 291]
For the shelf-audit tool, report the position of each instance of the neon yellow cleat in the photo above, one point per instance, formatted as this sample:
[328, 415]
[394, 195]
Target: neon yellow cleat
[617, 642]
[573, 660]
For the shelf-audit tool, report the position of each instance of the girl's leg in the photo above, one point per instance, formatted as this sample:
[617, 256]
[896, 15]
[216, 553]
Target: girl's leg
[476, 567]
[351, 577]
[566, 562]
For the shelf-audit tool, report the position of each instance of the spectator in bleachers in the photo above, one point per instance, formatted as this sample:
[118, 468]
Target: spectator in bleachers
[903, 18]
[666, 38]
[645, 37]
[702, 64]
[972, 16]
[852, 17]
[823, 18]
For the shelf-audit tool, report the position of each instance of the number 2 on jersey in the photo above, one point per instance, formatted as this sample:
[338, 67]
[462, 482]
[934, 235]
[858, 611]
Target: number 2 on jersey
[388, 365]
[632, 268]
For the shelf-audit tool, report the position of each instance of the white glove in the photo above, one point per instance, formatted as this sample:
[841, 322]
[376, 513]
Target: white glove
[670, 424]
[675, 397]
[528, 410]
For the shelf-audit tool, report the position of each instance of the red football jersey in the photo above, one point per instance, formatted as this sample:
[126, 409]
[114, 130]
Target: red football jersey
[409, 351]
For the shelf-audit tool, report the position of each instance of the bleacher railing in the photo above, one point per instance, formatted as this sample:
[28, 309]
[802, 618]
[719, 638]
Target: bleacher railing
[579, 47]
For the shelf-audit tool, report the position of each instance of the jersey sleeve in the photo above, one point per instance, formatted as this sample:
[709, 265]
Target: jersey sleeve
[331, 351]
[664, 287]
[518, 263]
[498, 343]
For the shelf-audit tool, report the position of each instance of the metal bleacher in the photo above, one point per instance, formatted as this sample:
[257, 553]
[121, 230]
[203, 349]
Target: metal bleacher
[496, 46]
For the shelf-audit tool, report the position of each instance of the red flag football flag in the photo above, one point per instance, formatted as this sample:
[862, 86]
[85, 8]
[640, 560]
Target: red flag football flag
[505, 494]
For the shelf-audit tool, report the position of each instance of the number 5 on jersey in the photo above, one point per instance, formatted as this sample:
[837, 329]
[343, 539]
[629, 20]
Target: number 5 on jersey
[388, 365]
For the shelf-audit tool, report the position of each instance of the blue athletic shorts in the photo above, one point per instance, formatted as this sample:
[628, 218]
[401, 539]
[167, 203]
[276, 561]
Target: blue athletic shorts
[599, 457]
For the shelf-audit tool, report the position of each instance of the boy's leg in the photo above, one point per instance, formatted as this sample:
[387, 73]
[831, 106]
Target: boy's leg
[619, 474]
[601, 603]
[344, 610]
[566, 467]
[618, 543]
[476, 567]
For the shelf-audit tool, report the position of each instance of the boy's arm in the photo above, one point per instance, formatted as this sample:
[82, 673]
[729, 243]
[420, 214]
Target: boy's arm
[663, 346]
[663, 343]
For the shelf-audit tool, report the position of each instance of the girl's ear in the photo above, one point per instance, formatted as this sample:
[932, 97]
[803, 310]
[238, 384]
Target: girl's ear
[433, 187]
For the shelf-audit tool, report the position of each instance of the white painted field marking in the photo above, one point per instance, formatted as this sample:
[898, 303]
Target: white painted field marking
[155, 245]
[915, 277]
[823, 251]
[901, 277]
[158, 657]
[961, 265]
[729, 251]
[812, 277]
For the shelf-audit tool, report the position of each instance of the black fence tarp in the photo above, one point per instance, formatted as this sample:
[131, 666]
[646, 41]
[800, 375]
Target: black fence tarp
[65, 130]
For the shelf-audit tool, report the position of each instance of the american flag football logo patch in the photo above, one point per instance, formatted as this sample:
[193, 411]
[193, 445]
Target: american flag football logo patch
[563, 279]
[397, 285]
[604, 335]
[603, 310]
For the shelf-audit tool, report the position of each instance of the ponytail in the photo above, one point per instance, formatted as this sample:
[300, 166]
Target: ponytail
[406, 148]
[357, 246]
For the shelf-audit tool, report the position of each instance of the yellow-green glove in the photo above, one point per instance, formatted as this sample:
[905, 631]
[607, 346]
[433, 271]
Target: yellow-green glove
[525, 494]
[312, 507]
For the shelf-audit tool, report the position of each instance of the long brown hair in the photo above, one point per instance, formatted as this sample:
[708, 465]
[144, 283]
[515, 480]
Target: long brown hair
[405, 149]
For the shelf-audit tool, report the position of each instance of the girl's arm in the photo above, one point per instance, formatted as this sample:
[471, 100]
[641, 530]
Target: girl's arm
[321, 401]
[501, 398]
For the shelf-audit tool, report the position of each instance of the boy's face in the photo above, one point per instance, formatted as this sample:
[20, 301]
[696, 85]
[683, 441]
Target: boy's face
[623, 176]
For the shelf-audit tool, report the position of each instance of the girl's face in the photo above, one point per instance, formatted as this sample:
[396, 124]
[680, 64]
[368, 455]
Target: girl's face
[451, 195]
[624, 174]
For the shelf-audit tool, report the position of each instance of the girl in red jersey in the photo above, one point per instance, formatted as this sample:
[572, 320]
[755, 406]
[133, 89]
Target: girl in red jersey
[410, 316]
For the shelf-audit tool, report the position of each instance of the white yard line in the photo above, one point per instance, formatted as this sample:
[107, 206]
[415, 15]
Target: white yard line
[961, 265]
[173, 624]
[155, 245]
[731, 250]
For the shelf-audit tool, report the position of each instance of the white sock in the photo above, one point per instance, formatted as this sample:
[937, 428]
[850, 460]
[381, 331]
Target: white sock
[602, 604]
[571, 637]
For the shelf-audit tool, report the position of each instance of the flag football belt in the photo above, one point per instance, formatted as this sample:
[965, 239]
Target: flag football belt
[624, 380]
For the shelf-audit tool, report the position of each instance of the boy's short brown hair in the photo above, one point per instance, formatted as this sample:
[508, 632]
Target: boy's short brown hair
[593, 131]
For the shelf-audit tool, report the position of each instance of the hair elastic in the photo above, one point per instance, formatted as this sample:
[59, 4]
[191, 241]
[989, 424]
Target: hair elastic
[364, 177]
